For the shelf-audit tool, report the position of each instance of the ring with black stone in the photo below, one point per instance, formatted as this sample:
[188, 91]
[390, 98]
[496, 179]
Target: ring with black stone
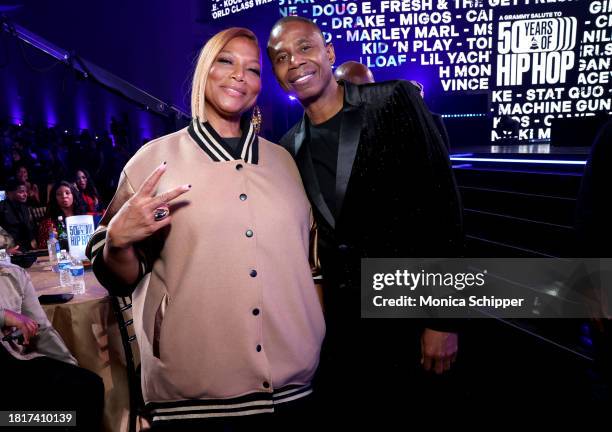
[160, 213]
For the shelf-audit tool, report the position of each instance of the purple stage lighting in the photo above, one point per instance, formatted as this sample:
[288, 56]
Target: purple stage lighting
[523, 161]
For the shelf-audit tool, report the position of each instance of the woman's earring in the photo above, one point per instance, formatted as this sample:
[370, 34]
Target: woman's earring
[256, 119]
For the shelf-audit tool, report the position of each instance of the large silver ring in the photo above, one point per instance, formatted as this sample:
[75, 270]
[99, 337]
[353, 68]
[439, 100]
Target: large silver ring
[160, 213]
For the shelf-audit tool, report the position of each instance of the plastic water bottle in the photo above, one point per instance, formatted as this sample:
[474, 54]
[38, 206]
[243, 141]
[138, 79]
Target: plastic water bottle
[4, 256]
[77, 276]
[63, 267]
[54, 250]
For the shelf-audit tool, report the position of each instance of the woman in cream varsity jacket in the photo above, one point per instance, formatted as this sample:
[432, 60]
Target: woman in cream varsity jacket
[209, 232]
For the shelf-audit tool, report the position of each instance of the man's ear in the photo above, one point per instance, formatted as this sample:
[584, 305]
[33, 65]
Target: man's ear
[331, 53]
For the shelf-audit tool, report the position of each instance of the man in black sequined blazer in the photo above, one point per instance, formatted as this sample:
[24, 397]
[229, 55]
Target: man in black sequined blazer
[381, 185]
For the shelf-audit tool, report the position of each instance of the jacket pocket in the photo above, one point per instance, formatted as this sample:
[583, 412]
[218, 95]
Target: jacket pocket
[157, 325]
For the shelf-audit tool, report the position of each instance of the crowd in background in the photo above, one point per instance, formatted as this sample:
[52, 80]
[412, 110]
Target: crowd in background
[48, 172]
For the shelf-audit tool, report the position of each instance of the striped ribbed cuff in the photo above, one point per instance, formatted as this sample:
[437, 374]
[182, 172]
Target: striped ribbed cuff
[168, 413]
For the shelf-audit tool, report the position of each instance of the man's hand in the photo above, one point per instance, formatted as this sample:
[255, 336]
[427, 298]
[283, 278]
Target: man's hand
[28, 326]
[438, 350]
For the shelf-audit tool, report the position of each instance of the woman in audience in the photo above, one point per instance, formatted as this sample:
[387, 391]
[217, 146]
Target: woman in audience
[86, 187]
[21, 174]
[228, 318]
[65, 201]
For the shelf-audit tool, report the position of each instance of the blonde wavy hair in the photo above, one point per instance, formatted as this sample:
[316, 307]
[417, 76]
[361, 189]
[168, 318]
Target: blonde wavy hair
[207, 56]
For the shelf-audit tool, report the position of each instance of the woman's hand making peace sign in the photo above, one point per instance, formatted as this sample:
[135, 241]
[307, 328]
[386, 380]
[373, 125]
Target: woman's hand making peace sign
[144, 213]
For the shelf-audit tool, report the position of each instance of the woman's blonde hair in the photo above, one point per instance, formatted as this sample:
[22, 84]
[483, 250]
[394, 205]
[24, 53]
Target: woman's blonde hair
[207, 56]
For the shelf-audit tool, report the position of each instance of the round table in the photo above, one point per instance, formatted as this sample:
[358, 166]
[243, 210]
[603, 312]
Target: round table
[89, 328]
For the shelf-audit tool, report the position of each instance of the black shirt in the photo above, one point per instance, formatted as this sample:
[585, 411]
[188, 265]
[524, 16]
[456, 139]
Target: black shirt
[232, 143]
[15, 218]
[324, 139]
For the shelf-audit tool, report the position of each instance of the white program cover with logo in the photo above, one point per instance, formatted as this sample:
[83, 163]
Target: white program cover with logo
[80, 229]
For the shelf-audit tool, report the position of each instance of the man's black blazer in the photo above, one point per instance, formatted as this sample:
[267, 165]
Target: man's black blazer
[396, 195]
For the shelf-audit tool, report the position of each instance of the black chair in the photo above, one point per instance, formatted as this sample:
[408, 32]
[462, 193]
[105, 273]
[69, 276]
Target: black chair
[122, 309]
[38, 213]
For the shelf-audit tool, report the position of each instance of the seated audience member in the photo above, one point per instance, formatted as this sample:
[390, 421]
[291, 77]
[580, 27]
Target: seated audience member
[65, 201]
[354, 72]
[15, 216]
[22, 175]
[39, 373]
[7, 242]
[19, 156]
[89, 193]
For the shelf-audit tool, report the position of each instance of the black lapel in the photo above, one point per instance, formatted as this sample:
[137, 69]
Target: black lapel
[303, 159]
[300, 135]
[350, 131]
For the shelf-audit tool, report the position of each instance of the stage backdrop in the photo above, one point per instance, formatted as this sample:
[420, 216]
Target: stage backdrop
[530, 60]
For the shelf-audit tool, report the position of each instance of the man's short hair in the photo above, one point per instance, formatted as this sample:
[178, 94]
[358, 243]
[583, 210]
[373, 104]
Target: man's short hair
[13, 184]
[294, 18]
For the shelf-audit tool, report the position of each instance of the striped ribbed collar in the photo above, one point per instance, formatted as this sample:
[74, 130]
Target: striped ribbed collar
[216, 148]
